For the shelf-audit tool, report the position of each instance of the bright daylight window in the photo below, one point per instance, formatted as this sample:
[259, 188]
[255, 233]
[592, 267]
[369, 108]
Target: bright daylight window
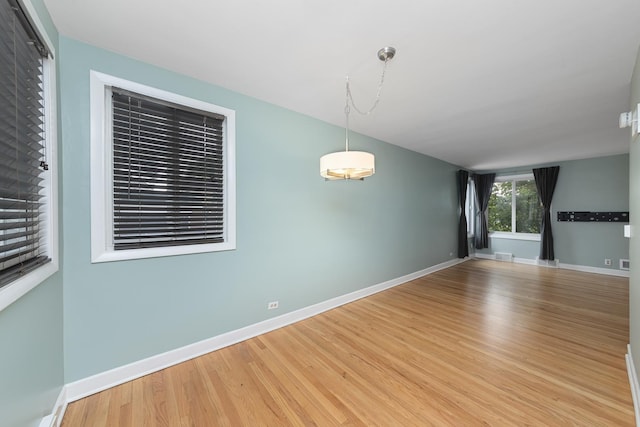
[168, 183]
[470, 208]
[27, 197]
[514, 206]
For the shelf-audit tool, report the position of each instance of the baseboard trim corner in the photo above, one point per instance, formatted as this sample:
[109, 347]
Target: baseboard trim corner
[55, 418]
[96, 383]
[46, 421]
[633, 382]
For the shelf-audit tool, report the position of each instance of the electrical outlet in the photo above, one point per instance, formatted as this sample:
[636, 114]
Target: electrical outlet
[272, 305]
[607, 261]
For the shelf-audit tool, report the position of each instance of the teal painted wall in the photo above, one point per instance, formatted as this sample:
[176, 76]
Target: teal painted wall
[31, 359]
[599, 184]
[634, 201]
[300, 240]
[519, 248]
[31, 354]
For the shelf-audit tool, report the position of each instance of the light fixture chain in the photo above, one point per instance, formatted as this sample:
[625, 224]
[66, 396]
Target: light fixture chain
[375, 103]
[347, 110]
[347, 164]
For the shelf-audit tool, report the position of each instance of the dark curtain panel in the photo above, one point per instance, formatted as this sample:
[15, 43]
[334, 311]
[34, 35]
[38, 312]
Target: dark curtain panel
[546, 179]
[463, 243]
[483, 184]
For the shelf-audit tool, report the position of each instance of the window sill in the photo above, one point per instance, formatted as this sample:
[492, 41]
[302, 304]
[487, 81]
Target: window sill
[16, 289]
[108, 255]
[515, 236]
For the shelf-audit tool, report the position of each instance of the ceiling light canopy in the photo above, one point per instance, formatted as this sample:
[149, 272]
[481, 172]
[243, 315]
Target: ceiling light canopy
[354, 164]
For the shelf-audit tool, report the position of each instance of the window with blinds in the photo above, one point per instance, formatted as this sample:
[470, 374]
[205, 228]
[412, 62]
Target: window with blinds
[23, 167]
[168, 173]
[162, 172]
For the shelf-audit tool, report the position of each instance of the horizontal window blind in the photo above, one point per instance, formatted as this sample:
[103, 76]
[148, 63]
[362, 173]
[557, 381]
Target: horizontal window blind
[22, 225]
[168, 174]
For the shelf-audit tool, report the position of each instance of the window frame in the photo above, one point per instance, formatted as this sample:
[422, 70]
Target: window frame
[12, 291]
[514, 235]
[102, 171]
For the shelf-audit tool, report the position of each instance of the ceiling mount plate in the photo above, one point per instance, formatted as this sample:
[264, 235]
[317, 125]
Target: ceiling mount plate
[386, 53]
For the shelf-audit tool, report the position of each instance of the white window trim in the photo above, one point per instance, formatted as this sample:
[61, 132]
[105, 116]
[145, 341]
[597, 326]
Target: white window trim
[514, 235]
[519, 177]
[102, 173]
[19, 287]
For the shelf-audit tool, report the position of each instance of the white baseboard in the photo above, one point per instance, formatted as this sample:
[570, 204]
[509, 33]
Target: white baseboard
[55, 418]
[104, 380]
[514, 259]
[551, 263]
[597, 270]
[583, 268]
[633, 382]
[525, 261]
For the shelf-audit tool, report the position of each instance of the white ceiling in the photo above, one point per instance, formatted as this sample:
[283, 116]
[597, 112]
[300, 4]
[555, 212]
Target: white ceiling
[481, 84]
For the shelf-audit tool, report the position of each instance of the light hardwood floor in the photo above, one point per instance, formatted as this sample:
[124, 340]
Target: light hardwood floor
[481, 343]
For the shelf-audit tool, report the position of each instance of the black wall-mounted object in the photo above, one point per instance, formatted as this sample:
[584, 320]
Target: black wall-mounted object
[593, 216]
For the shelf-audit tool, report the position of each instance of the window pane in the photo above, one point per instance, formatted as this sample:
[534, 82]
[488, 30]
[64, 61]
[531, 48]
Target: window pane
[500, 207]
[528, 208]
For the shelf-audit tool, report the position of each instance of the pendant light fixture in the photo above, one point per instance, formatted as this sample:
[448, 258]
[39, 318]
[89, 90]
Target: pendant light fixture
[354, 164]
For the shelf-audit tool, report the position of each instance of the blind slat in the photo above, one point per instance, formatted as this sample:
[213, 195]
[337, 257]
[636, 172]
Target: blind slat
[160, 227]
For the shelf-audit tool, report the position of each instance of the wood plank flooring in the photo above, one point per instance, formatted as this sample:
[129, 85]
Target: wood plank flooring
[481, 343]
